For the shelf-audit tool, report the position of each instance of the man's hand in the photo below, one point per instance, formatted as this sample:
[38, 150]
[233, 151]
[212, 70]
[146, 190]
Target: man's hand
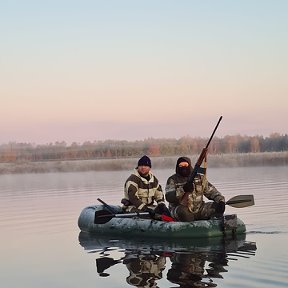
[220, 207]
[188, 187]
[162, 209]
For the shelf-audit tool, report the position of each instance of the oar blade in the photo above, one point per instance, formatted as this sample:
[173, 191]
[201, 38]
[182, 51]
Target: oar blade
[241, 201]
[102, 217]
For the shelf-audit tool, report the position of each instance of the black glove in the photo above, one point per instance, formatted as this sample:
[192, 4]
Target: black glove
[188, 187]
[220, 209]
[125, 202]
[162, 209]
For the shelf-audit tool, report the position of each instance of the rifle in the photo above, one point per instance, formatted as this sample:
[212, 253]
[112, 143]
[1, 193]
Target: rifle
[202, 156]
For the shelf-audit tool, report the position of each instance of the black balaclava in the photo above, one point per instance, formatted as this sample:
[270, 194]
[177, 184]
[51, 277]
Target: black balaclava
[183, 171]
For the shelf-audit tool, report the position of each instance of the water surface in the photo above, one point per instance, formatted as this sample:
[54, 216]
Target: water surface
[41, 245]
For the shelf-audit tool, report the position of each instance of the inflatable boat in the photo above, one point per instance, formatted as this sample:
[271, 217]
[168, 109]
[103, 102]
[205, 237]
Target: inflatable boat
[99, 220]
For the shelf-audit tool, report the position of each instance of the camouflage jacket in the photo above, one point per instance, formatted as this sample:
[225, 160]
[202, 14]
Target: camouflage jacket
[140, 191]
[194, 199]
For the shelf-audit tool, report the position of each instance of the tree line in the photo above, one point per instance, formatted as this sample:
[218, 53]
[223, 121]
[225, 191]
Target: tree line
[117, 149]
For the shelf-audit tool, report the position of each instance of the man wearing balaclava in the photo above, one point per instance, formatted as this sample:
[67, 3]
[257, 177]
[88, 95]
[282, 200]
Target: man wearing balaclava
[186, 200]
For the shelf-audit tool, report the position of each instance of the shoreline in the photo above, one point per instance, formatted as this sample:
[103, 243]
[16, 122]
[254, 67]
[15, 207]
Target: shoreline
[216, 161]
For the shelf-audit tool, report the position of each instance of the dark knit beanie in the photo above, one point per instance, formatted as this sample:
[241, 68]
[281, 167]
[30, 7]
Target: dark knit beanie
[144, 161]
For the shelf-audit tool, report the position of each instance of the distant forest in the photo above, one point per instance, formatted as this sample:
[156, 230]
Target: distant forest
[116, 149]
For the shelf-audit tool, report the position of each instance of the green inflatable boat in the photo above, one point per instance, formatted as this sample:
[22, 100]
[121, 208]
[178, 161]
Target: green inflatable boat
[98, 220]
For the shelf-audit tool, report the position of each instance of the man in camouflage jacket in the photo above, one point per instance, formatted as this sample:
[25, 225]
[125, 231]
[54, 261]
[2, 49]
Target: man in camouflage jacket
[142, 190]
[186, 200]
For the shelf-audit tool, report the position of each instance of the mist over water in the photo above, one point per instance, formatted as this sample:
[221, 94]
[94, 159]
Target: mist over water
[40, 237]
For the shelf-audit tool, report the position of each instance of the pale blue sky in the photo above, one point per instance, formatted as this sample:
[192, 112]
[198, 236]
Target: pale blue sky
[94, 70]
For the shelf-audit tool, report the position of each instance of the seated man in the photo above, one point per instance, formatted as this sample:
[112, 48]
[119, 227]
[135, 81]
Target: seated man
[142, 190]
[185, 199]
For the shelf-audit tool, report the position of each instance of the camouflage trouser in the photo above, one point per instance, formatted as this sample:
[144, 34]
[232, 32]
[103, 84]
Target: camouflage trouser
[206, 211]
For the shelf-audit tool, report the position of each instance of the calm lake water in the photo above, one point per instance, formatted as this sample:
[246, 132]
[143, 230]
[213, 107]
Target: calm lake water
[41, 244]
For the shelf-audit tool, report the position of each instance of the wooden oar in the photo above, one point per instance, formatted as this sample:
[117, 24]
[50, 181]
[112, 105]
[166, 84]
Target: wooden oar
[241, 201]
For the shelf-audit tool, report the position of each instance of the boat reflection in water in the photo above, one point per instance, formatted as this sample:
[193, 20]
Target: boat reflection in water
[193, 262]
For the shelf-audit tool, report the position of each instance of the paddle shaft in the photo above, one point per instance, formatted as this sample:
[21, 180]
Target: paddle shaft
[124, 215]
[107, 206]
[104, 216]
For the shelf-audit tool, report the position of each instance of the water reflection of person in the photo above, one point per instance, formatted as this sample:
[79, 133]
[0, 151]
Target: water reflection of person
[144, 270]
[188, 269]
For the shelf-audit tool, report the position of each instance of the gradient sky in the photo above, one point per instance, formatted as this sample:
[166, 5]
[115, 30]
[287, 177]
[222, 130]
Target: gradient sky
[95, 70]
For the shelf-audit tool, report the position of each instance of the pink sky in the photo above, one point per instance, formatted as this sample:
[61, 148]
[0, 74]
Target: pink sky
[142, 69]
